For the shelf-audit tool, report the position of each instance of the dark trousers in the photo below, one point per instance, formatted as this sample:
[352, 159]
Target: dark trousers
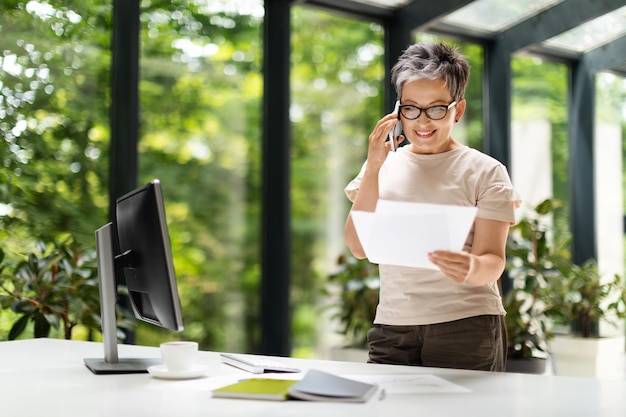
[472, 343]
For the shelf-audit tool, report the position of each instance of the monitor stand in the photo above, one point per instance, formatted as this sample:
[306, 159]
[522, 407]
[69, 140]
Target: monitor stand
[122, 366]
[111, 363]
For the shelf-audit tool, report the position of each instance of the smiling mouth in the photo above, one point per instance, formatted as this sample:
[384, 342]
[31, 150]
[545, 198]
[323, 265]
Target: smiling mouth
[425, 134]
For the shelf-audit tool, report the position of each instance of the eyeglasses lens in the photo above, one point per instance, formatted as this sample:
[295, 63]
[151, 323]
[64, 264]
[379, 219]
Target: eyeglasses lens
[437, 112]
[433, 113]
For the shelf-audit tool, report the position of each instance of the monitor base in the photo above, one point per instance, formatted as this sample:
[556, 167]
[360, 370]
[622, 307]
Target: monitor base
[123, 366]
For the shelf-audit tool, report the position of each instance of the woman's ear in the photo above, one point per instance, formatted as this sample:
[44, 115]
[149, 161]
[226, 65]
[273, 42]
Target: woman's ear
[460, 110]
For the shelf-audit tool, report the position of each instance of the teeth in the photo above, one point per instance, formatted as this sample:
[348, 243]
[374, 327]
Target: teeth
[425, 133]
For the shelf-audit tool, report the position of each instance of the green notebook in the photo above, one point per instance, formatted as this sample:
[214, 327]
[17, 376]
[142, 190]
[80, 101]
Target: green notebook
[314, 386]
[256, 389]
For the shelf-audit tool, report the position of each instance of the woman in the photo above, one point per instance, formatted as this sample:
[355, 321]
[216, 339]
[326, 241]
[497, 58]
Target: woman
[451, 316]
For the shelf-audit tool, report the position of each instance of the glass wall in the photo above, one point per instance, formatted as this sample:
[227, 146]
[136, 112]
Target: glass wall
[53, 119]
[539, 144]
[336, 98]
[54, 126]
[200, 102]
[200, 134]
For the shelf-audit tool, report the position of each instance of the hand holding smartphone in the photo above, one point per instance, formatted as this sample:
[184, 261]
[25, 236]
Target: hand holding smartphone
[397, 129]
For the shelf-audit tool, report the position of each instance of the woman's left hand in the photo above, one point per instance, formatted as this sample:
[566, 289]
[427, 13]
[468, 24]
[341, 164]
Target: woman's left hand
[486, 261]
[455, 265]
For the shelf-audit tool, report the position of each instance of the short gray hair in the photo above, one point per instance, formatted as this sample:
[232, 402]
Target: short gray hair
[432, 61]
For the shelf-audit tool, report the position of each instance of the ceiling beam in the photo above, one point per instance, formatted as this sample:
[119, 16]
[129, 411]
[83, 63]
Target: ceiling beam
[412, 16]
[415, 16]
[554, 21]
[351, 9]
[608, 57]
[418, 15]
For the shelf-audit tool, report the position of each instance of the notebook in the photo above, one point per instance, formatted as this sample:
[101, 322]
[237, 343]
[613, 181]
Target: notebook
[256, 389]
[314, 386]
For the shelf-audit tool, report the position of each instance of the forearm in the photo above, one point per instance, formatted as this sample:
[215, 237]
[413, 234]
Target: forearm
[488, 251]
[486, 269]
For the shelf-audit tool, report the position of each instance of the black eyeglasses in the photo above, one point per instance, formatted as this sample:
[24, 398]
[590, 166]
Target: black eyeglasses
[433, 113]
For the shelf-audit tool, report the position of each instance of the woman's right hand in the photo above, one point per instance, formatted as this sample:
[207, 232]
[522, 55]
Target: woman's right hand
[379, 146]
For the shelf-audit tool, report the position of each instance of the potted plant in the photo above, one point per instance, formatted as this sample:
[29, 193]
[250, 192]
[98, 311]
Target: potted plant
[355, 284]
[585, 297]
[579, 302]
[531, 255]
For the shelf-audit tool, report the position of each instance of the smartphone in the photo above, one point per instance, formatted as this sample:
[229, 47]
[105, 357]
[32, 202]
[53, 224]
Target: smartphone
[397, 129]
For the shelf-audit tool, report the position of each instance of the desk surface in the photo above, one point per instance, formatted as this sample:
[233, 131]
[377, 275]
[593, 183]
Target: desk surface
[47, 377]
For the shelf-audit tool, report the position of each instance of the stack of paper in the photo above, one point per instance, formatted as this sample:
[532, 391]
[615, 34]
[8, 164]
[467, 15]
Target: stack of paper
[255, 364]
[402, 233]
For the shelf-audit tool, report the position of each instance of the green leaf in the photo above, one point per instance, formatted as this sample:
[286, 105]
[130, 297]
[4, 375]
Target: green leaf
[23, 307]
[33, 264]
[18, 327]
[42, 326]
[52, 319]
[5, 301]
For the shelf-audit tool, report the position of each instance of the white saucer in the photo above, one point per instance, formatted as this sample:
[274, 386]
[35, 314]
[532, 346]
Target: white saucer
[160, 371]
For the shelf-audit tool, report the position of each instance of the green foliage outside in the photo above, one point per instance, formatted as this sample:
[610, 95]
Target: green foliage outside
[200, 89]
[54, 77]
[337, 96]
[53, 121]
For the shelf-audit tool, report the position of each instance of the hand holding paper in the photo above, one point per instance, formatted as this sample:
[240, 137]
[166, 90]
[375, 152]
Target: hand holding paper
[403, 233]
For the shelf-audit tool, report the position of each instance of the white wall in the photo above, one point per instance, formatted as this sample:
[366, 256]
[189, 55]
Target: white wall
[609, 197]
[531, 162]
[609, 206]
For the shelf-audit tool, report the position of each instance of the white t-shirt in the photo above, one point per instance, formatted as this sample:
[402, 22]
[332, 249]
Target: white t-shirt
[462, 176]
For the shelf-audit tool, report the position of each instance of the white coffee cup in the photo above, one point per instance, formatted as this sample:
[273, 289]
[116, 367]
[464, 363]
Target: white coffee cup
[179, 356]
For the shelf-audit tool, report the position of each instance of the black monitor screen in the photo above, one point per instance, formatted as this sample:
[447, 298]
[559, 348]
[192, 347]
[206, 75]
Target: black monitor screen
[146, 257]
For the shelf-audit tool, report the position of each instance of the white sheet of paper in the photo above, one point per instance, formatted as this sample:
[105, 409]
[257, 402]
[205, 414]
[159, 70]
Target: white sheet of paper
[402, 233]
[412, 384]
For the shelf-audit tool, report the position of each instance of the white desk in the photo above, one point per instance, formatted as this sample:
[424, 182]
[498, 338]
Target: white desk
[47, 377]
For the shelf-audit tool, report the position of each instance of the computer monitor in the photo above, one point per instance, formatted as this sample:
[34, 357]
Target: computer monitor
[146, 259]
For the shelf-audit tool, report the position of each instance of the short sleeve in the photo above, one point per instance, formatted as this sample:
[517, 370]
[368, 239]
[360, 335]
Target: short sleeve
[498, 199]
[353, 186]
